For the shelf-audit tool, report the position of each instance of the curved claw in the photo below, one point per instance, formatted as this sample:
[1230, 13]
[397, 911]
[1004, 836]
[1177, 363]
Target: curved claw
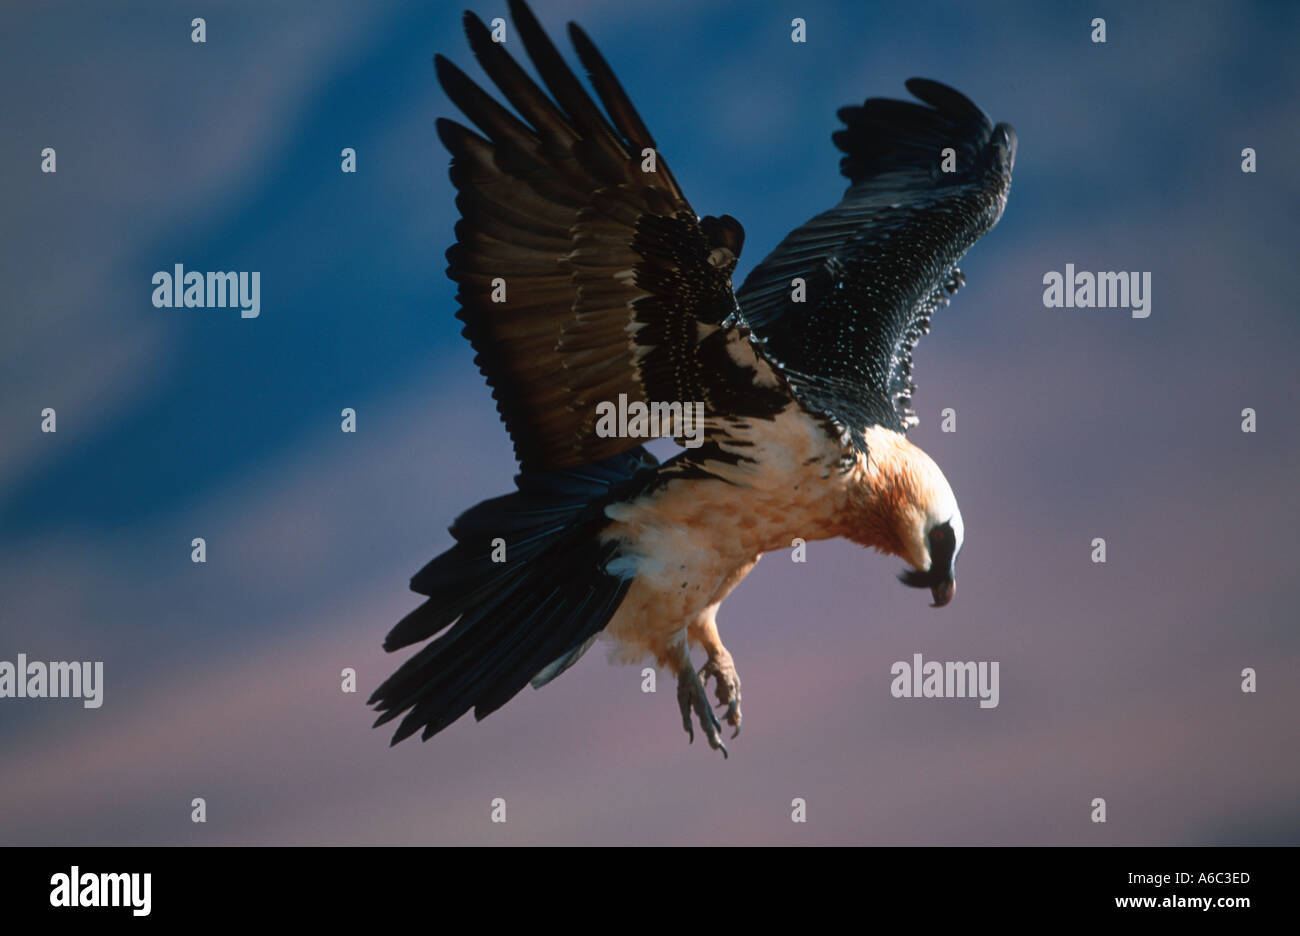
[727, 689]
[733, 718]
[684, 703]
[691, 697]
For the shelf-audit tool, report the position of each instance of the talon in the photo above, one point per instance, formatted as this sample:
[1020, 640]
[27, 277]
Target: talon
[733, 718]
[684, 703]
[691, 696]
[727, 690]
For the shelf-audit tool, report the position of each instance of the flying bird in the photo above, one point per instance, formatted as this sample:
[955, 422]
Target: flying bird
[585, 277]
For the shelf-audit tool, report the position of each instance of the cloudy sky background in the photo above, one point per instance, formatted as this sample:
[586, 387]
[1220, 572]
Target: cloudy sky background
[222, 680]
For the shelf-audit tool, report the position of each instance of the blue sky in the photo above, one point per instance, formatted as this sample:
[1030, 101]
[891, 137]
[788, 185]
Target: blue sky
[175, 423]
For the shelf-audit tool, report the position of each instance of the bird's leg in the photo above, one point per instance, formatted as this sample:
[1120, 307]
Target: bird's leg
[691, 696]
[703, 631]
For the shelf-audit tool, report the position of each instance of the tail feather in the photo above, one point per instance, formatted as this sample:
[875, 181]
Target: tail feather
[555, 668]
[528, 618]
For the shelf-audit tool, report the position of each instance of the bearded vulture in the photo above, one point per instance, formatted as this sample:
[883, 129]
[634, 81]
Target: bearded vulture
[585, 277]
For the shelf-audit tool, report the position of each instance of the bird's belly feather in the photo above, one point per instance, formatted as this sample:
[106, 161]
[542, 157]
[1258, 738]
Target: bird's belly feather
[679, 541]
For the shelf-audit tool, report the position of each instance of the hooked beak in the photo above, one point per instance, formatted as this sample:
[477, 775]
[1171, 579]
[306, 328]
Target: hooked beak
[942, 587]
[943, 592]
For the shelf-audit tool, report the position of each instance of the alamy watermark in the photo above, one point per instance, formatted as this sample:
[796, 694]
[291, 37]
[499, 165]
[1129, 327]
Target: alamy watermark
[930, 679]
[195, 290]
[56, 680]
[1085, 290]
[78, 889]
[639, 420]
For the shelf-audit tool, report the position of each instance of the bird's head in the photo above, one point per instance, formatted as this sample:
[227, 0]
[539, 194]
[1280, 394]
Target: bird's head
[934, 544]
[902, 505]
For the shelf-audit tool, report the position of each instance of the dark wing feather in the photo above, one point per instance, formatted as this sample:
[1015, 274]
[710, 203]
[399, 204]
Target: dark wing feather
[611, 279]
[878, 264]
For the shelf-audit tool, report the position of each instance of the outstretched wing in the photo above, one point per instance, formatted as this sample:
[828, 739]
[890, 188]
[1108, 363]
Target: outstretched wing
[876, 266]
[582, 275]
